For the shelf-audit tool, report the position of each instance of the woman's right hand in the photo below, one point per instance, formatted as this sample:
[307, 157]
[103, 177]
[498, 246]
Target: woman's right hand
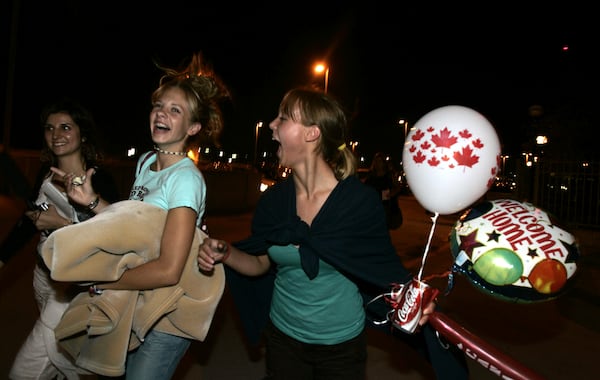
[212, 252]
[81, 190]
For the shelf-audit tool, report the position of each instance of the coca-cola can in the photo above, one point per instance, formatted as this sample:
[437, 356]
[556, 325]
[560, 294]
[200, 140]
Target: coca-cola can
[409, 304]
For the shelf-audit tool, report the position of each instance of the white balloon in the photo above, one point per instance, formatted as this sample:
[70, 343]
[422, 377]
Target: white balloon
[451, 158]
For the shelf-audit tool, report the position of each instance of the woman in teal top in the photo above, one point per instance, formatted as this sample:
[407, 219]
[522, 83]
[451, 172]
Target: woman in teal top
[325, 233]
[184, 105]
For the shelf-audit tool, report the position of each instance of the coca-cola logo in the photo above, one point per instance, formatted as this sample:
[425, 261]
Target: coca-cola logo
[411, 298]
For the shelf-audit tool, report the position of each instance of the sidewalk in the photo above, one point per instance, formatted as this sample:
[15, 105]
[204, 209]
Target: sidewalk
[557, 339]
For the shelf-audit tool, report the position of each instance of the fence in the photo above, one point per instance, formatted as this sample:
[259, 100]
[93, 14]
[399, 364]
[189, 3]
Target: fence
[569, 190]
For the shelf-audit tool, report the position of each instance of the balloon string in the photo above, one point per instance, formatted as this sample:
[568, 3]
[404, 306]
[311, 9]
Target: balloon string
[434, 220]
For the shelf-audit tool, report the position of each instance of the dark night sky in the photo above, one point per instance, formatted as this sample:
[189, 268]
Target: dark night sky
[387, 61]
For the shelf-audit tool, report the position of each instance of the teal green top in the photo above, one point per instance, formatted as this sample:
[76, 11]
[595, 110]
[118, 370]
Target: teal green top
[326, 310]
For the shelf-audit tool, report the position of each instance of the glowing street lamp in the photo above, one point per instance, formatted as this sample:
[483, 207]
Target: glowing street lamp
[404, 123]
[320, 68]
[258, 126]
[504, 157]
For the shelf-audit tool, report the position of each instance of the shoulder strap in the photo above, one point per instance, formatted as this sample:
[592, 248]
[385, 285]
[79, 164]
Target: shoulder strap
[148, 155]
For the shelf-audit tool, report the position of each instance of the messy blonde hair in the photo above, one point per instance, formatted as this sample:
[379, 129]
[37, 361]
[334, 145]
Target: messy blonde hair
[203, 91]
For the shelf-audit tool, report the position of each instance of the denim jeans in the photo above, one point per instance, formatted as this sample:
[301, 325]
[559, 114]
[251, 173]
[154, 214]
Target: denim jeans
[157, 357]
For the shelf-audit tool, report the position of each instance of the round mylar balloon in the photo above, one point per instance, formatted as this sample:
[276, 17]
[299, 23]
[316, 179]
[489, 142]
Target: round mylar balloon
[451, 157]
[514, 251]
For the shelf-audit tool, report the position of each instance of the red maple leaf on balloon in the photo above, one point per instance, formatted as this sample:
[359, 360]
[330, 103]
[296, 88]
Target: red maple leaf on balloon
[418, 135]
[445, 158]
[433, 161]
[477, 144]
[430, 129]
[412, 148]
[466, 157]
[465, 134]
[444, 139]
[419, 157]
[426, 145]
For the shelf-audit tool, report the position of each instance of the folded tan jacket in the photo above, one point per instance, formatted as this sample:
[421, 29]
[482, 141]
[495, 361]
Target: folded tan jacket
[98, 331]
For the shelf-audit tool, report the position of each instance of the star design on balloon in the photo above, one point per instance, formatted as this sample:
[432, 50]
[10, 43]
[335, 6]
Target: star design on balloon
[573, 250]
[532, 252]
[468, 242]
[494, 235]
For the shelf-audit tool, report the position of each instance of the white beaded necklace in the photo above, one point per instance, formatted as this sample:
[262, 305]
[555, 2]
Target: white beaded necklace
[169, 152]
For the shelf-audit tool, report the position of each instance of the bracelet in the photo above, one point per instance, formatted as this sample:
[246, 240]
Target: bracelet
[94, 291]
[94, 203]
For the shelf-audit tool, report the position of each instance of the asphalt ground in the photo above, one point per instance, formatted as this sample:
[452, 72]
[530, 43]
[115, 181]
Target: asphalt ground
[555, 339]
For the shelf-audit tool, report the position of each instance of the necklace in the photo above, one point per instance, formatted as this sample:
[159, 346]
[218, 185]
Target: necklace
[169, 152]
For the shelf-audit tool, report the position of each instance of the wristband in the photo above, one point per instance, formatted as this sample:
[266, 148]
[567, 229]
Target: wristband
[94, 291]
[94, 203]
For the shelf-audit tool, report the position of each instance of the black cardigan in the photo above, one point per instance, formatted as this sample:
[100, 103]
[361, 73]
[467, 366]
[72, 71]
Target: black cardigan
[349, 233]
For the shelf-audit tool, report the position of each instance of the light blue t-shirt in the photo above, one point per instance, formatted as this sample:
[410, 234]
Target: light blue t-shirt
[325, 310]
[179, 185]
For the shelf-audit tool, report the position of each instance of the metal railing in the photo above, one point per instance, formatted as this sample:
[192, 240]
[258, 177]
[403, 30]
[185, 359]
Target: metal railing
[569, 190]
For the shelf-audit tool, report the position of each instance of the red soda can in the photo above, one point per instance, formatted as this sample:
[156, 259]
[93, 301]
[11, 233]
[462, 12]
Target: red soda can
[409, 304]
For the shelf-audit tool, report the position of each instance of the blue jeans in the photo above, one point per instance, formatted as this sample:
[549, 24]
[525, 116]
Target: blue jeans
[157, 357]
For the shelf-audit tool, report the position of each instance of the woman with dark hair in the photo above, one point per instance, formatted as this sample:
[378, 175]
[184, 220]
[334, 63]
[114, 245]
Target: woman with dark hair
[69, 144]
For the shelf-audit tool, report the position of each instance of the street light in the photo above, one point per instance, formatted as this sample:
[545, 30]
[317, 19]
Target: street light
[504, 157]
[258, 126]
[321, 67]
[405, 124]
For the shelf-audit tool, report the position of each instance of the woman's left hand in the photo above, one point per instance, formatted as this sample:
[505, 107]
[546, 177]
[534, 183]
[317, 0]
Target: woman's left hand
[47, 220]
[427, 311]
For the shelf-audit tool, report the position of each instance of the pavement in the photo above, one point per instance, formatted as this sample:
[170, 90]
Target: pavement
[555, 339]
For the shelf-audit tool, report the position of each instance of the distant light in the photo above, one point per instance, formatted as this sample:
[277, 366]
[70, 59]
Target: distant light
[193, 155]
[541, 140]
[130, 152]
[565, 48]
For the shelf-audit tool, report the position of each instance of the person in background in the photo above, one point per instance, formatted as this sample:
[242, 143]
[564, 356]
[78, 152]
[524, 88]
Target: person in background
[70, 144]
[185, 104]
[319, 245]
[383, 178]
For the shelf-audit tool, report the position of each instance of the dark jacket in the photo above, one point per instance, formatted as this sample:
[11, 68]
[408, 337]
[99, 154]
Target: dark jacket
[349, 233]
